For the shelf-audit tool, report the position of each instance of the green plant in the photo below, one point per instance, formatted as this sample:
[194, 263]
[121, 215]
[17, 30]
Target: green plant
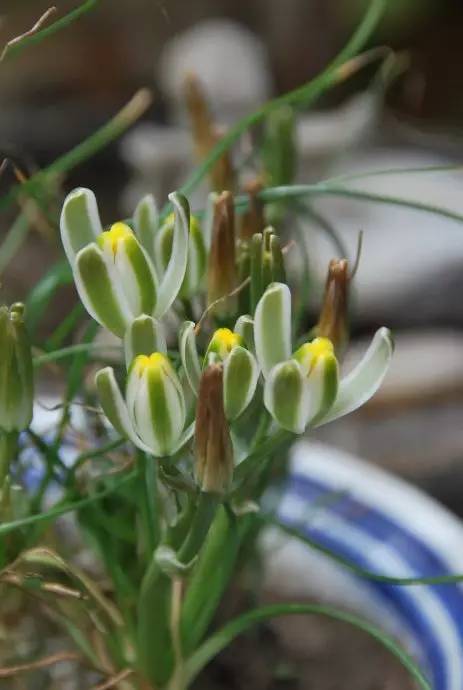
[218, 378]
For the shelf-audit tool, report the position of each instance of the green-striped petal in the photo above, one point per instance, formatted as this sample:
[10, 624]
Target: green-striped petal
[136, 275]
[365, 379]
[100, 293]
[114, 406]
[244, 326]
[175, 272]
[189, 355]
[272, 327]
[144, 336]
[322, 383]
[196, 262]
[156, 403]
[196, 265]
[285, 396]
[146, 223]
[80, 222]
[240, 375]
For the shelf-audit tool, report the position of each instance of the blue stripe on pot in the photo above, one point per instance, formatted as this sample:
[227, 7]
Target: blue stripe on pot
[419, 607]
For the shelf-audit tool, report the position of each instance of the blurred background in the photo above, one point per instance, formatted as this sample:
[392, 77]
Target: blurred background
[244, 52]
[55, 95]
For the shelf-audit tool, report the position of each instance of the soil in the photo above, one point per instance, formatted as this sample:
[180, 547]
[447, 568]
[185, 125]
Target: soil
[298, 653]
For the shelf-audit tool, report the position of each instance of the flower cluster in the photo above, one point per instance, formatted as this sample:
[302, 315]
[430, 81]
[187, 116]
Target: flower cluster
[128, 279]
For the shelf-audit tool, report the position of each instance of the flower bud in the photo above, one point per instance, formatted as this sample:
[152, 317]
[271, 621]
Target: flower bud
[196, 264]
[252, 220]
[16, 371]
[153, 414]
[301, 390]
[333, 322]
[213, 445]
[221, 278]
[206, 135]
[267, 265]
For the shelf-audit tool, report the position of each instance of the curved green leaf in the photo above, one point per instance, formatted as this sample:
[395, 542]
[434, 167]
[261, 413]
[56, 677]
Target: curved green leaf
[221, 639]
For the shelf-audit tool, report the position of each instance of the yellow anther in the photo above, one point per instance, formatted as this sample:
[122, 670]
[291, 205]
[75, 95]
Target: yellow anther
[155, 362]
[109, 239]
[223, 341]
[320, 346]
[309, 353]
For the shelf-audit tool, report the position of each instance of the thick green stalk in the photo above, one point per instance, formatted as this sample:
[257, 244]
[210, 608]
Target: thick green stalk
[155, 648]
[155, 644]
[211, 576]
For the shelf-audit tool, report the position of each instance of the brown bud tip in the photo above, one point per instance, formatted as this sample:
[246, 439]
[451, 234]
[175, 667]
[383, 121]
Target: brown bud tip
[205, 133]
[222, 262]
[333, 321]
[213, 446]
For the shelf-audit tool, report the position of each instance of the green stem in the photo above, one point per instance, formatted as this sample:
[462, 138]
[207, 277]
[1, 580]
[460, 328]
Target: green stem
[150, 472]
[202, 520]
[155, 648]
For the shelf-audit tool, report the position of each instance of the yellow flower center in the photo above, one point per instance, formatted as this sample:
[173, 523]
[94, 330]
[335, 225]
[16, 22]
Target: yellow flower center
[223, 341]
[109, 239]
[154, 362]
[309, 353]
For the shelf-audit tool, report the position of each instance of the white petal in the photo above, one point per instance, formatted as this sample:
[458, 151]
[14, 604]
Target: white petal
[146, 223]
[365, 379]
[114, 406]
[175, 271]
[240, 376]
[272, 327]
[99, 289]
[244, 326]
[189, 355]
[80, 222]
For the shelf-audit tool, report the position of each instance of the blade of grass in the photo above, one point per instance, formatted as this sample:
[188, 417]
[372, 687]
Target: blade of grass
[13, 240]
[59, 510]
[72, 350]
[326, 189]
[42, 293]
[221, 639]
[299, 534]
[65, 327]
[37, 35]
[383, 172]
[112, 130]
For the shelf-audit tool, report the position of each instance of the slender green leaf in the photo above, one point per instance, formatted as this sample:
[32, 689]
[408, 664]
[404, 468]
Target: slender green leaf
[298, 533]
[65, 507]
[14, 47]
[221, 639]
